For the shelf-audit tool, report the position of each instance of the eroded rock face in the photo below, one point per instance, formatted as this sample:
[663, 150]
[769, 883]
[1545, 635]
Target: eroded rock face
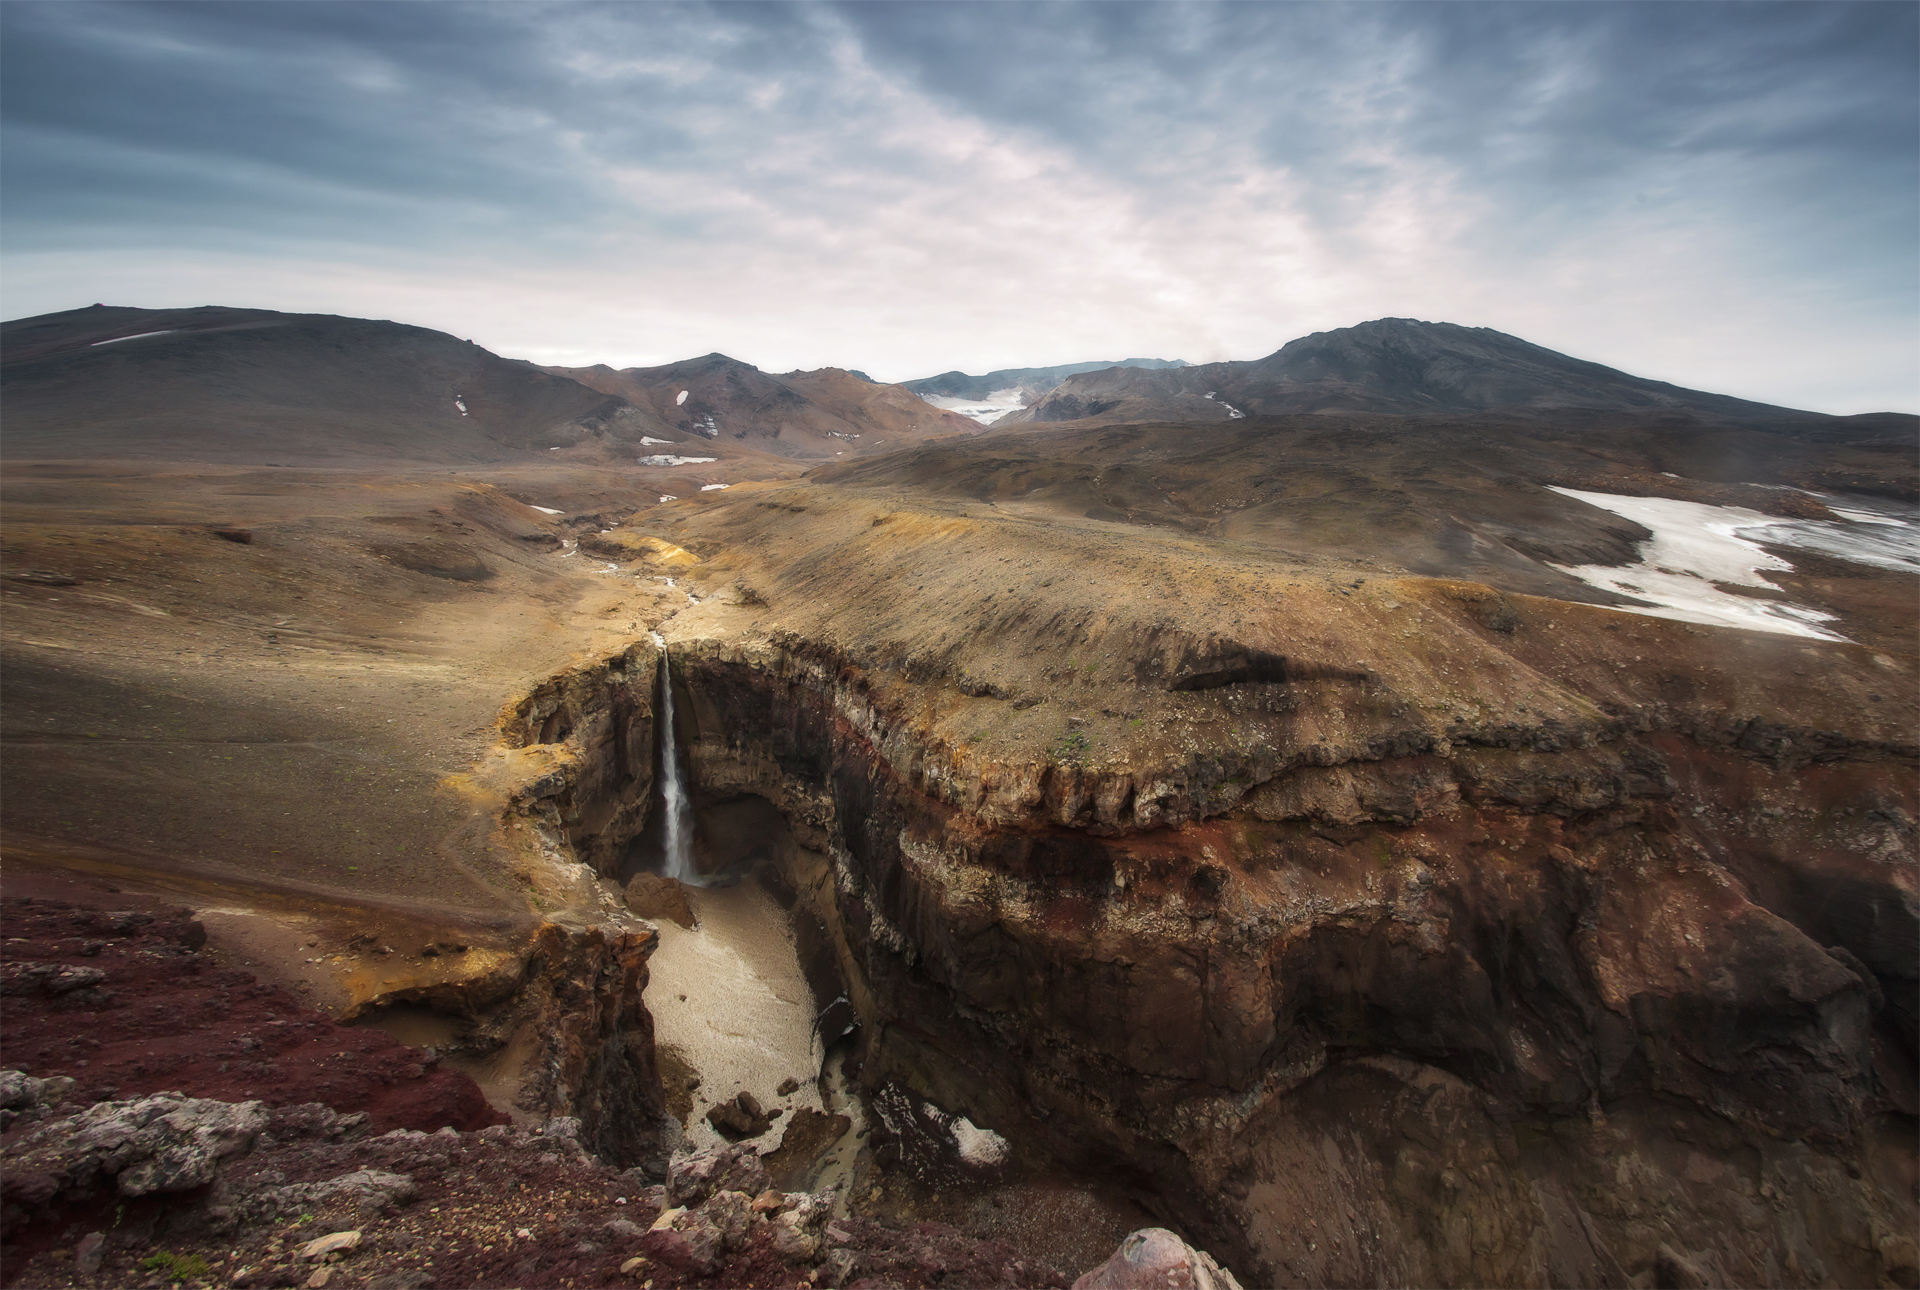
[1167, 968]
[597, 722]
[582, 1007]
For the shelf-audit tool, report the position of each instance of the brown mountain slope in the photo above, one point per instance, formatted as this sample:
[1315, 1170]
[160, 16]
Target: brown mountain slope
[1387, 365]
[1442, 496]
[824, 413]
[246, 385]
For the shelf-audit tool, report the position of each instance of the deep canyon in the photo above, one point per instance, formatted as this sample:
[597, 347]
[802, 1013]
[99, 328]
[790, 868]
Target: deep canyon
[1254, 827]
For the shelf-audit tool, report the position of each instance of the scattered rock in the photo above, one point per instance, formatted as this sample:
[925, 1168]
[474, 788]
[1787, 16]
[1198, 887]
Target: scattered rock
[787, 1086]
[808, 1134]
[376, 1189]
[622, 1230]
[692, 1178]
[838, 1269]
[404, 1279]
[331, 1243]
[19, 1091]
[796, 1229]
[1155, 1259]
[48, 978]
[87, 1255]
[685, 1239]
[743, 1117]
[564, 1127]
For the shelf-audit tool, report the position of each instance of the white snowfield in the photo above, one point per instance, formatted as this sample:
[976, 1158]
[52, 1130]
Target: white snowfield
[679, 399]
[1694, 546]
[649, 442]
[978, 1147]
[708, 488]
[546, 510]
[668, 497]
[1886, 536]
[139, 335]
[662, 459]
[461, 404]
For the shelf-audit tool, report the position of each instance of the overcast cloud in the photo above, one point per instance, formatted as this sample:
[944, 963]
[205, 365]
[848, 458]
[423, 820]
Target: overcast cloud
[1720, 196]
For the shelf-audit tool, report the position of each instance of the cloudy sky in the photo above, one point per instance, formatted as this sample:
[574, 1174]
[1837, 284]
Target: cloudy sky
[1720, 196]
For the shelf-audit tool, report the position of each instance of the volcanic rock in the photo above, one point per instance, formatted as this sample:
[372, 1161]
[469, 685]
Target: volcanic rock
[152, 1144]
[693, 1177]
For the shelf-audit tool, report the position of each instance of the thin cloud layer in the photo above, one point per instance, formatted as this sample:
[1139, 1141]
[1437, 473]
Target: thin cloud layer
[1724, 197]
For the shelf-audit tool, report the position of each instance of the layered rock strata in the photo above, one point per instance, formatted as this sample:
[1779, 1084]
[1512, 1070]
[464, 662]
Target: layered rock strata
[1686, 940]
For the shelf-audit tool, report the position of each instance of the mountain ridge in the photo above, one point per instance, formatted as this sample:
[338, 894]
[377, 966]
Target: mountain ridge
[825, 413]
[1386, 365]
[224, 384]
[219, 383]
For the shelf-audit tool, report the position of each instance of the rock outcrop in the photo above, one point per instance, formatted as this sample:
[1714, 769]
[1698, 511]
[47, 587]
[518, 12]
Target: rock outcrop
[166, 1143]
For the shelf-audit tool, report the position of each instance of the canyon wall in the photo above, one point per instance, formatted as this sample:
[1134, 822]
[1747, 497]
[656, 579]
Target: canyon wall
[1414, 971]
[559, 1026]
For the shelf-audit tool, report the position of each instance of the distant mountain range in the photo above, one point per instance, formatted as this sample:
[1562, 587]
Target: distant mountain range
[1396, 365]
[220, 384]
[1030, 382]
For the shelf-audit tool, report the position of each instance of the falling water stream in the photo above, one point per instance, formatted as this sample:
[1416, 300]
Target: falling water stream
[679, 858]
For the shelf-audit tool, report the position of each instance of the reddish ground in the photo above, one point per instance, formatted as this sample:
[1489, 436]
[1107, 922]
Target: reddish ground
[168, 1013]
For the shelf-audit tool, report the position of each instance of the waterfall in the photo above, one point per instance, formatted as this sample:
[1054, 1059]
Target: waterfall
[679, 863]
